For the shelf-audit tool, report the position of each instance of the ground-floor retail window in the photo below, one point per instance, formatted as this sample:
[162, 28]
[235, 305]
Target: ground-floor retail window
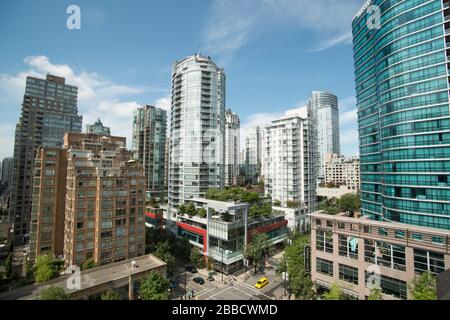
[389, 286]
[324, 266]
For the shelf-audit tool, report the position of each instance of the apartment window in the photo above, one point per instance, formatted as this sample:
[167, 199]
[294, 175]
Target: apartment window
[400, 234]
[80, 247]
[348, 246]
[106, 234]
[428, 261]
[324, 240]
[107, 224]
[324, 266]
[121, 222]
[382, 232]
[348, 274]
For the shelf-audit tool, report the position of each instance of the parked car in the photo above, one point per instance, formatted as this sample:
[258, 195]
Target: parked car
[262, 283]
[199, 280]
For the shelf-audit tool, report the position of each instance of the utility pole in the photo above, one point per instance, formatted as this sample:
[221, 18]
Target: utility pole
[130, 288]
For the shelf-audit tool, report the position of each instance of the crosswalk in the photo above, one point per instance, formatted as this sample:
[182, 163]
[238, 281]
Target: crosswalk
[241, 289]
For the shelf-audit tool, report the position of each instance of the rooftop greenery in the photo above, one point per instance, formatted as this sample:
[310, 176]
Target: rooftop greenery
[232, 193]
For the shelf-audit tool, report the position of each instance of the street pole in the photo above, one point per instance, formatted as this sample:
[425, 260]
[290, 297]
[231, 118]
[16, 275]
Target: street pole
[285, 278]
[185, 285]
[222, 264]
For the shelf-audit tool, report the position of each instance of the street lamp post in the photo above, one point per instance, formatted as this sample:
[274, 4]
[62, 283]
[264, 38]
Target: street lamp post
[221, 250]
[185, 285]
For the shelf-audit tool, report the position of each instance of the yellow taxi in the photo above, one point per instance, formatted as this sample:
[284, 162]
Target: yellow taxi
[262, 283]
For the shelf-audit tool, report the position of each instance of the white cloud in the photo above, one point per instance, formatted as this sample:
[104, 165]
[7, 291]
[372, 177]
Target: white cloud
[348, 113]
[233, 23]
[347, 103]
[98, 97]
[348, 117]
[164, 103]
[349, 138]
[345, 38]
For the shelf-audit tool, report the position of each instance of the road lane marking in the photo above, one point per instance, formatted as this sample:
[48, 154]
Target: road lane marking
[208, 290]
[220, 292]
[246, 285]
[250, 295]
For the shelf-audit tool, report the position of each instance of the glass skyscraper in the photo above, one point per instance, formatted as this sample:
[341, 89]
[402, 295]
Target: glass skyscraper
[402, 85]
[149, 144]
[324, 105]
[49, 110]
[197, 130]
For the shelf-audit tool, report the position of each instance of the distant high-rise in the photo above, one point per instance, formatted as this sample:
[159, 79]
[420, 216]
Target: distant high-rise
[232, 136]
[49, 110]
[253, 145]
[7, 171]
[326, 111]
[149, 139]
[289, 160]
[340, 170]
[98, 128]
[166, 164]
[402, 90]
[197, 130]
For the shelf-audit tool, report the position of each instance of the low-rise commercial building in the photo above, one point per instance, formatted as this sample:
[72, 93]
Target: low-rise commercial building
[221, 229]
[359, 253]
[122, 277]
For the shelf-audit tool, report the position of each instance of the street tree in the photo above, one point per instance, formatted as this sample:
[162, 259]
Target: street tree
[111, 295]
[53, 293]
[197, 258]
[423, 287]
[300, 282]
[255, 250]
[164, 252]
[335, 293]
[154, 287]
[46, 268]
[375, 294]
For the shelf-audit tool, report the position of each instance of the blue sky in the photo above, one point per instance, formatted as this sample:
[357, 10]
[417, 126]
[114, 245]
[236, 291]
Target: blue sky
[275, 52]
